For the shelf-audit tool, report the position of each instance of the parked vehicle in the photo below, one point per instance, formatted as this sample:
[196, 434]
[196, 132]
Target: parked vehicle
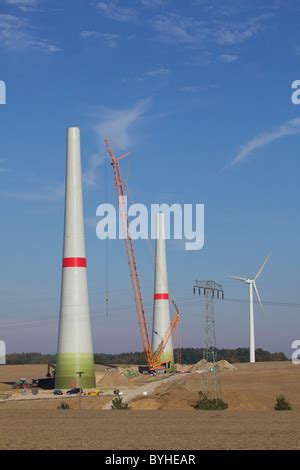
[93, 393]
[21, 384]
[46, 383]
[74, 391]
[58, 392]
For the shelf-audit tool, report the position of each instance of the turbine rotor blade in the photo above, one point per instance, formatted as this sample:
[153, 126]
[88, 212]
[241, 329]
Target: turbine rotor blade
[262, 266]
[238, 278]
[258, 297]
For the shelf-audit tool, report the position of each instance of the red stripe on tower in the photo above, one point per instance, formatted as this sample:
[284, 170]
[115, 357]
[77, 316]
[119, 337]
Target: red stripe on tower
[74, 263]
[161, 296]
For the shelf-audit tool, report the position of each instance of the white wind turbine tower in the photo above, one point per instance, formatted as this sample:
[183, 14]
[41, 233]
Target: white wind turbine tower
[252, 284]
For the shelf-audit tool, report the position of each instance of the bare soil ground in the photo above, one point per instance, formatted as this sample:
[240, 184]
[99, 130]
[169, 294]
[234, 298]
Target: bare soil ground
[167, 410]
[255, 386]
[251, 387]
[148, 430]
[52, 404]
[10, 374]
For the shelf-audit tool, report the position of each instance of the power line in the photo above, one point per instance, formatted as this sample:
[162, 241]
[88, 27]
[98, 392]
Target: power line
[131, 307]
[266, 302]
[187, 299]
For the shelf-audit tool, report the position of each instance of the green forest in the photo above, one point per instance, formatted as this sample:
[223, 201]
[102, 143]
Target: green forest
[188, 356]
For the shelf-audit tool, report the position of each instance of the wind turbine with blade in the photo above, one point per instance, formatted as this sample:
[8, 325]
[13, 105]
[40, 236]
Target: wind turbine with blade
[252, 285]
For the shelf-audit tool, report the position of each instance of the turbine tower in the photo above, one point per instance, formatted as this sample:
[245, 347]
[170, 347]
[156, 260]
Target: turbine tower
[75, 350]
[252, 285]
[161, 310]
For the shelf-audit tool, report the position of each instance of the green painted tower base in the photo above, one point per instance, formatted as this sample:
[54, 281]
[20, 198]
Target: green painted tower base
[168, 358]
[67, 366]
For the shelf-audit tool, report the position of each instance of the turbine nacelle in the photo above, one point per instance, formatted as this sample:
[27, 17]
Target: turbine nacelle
[243, 279]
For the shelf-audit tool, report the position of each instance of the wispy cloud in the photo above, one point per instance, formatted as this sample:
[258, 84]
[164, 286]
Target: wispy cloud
[191, 88]
[16, 33]
[24, 5]
[203, 58]
[291, 127]
[198, 88]
[112, 9]
[158, 71]
[109, 39]
[234, 8]
[154, 3]
[50, 194]
[90, 174]
[228, 58]
[117, 123]
[229, 34]
[174, 28]
[90, 34]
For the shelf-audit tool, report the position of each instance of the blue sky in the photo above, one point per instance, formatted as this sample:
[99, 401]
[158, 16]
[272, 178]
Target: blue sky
[200, 92]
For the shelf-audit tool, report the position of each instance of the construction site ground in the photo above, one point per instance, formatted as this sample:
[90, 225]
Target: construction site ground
[160, 406]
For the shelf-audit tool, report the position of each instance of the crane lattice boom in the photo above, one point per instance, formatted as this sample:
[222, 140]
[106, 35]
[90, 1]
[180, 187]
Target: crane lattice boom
[172, 327]
[153, 359]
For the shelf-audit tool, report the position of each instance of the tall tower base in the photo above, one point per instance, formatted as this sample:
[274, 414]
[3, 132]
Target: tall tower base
[67, 367]
[75, 359]
[161, 309]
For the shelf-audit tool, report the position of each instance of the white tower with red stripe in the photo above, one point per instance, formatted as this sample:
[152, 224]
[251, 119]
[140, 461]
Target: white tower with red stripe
[161, 310]
[75, 349]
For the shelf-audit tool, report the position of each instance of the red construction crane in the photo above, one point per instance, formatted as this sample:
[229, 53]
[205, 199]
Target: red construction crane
[153, 357]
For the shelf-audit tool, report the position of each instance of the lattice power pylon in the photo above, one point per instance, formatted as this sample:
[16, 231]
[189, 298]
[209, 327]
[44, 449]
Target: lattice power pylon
[211, 385]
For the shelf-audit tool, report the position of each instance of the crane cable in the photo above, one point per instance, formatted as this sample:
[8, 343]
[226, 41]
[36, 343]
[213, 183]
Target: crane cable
[106, 244]
[107, 238]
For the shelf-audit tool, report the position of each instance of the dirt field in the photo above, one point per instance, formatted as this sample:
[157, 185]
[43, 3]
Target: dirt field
[255, 386]
[107, 377]
[148, 430]
[165, 418]
[10, 374]
[251, 387]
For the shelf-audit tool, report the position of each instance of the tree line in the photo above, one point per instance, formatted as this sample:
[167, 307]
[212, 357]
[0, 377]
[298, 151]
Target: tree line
[188, 356]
